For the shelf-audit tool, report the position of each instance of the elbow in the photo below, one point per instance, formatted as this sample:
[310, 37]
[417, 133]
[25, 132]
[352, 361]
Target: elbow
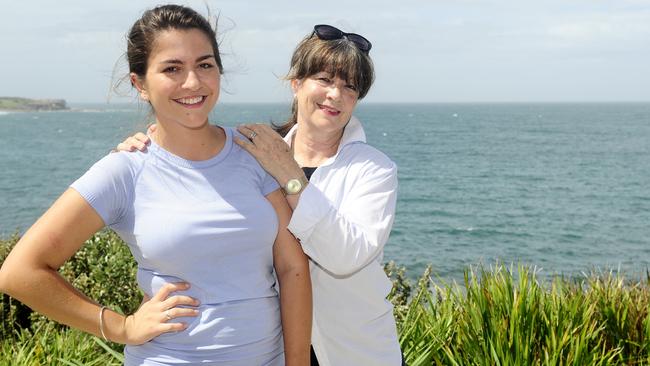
[4, 279]
[348, 265]
[298, 269]
[298, 266]
[13, 274]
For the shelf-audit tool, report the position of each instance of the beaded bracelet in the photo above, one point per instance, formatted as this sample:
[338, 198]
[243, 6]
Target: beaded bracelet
[101, 322]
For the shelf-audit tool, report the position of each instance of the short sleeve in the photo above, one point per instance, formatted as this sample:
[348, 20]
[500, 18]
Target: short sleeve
[269, 184]
[108, 186]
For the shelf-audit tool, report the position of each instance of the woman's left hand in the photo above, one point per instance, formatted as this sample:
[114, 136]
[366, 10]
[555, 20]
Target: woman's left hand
[270, 150]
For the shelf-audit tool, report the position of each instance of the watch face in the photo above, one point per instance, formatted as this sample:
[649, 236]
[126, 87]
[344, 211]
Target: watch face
[293, 186]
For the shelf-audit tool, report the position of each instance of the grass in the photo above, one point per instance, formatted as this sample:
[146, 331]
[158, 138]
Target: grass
[498, 316]
[52, 345]
[494, 319]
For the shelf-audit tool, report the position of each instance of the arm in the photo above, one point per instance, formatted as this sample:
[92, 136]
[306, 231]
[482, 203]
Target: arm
[345, 239]
[292, 269]
[30, 275]
[340, 239]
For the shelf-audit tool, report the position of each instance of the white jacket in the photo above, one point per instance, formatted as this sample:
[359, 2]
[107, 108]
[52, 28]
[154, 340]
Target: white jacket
[343, 219]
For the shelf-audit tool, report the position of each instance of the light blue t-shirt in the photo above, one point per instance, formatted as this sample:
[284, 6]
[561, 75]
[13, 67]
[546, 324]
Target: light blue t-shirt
[207, 223]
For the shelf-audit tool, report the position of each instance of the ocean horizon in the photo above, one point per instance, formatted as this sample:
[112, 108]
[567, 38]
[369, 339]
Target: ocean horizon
[560, 186]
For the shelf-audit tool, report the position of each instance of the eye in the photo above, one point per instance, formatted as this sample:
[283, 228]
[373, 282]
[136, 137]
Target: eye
[351, 87]
[324, 79]
[206, 65]
[170, 69]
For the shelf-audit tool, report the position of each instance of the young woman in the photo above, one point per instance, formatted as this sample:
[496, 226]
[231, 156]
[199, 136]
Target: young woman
[206, 224]
[343, 195]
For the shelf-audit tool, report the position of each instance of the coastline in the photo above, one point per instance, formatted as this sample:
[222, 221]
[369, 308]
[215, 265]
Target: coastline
[18, 104]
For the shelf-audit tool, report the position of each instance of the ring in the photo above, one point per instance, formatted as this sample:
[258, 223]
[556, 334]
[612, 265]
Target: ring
[252, 135]
[169, 317]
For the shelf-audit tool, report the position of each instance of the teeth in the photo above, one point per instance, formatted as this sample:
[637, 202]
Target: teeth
[190, 100]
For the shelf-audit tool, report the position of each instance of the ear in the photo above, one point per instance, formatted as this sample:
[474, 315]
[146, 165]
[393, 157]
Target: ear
[295, 85]
[138, 84]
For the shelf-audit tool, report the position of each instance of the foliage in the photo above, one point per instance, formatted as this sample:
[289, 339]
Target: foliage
[103, 269]
[497, 320]
[48, 344]
[497, 316]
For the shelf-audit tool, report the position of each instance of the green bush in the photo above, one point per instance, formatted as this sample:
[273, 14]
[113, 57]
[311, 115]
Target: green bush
[103, 269]
[496, 320]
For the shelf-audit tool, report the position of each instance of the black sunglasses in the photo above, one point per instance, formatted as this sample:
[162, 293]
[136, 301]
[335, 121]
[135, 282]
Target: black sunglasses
[328, 33]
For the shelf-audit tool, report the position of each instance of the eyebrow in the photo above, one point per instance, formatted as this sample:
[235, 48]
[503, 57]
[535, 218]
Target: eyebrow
[177, 61]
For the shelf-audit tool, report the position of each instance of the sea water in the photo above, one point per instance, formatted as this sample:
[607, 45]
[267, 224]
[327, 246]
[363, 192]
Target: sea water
[563, 187]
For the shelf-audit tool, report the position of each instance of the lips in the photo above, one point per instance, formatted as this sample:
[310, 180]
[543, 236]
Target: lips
[329, 110]
[191, 102]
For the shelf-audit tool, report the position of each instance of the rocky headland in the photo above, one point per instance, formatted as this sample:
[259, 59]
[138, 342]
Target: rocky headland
[30, 105]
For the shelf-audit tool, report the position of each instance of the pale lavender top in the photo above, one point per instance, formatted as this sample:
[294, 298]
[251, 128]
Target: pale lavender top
[205, 222]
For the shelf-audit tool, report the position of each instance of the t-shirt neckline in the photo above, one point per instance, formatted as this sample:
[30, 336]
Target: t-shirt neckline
[194, 164]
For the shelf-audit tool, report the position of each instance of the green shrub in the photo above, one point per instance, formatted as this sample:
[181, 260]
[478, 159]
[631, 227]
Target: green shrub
[498, 316]
[103, 269]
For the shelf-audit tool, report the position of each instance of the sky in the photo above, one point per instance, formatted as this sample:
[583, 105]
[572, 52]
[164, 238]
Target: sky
[424, 51]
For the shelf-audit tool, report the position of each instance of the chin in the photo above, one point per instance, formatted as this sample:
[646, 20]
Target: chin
[196, 125]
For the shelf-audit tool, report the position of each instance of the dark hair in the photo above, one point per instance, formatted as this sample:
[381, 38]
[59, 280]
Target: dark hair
[143, 33]
[339, 57]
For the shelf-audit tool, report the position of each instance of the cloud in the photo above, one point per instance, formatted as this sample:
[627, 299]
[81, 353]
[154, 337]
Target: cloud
[601, 28]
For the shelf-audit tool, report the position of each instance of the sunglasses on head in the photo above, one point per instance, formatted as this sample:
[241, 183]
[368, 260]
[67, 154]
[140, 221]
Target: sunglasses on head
[329, 33]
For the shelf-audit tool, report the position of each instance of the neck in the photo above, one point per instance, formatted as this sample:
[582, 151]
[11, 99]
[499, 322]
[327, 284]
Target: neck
[196, 144]
[312, 148]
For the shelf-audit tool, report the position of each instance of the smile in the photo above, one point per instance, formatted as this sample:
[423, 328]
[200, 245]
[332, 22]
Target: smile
[191, 102]
[329, 110]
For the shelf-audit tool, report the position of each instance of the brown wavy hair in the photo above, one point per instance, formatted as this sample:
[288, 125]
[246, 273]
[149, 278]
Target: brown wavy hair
[339, 57]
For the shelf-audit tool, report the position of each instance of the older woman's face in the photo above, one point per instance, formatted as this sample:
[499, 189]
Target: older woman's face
[324, 101]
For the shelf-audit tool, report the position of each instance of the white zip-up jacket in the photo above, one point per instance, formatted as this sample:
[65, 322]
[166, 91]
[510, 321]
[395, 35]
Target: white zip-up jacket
[343, 219]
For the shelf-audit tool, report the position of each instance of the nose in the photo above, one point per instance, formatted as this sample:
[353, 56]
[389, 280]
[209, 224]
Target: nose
[192, 81]
[334, 92]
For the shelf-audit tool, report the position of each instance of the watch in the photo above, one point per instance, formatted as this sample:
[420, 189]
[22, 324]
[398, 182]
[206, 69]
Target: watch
[295, 185]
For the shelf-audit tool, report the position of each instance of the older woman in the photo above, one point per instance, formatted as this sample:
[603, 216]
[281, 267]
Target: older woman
[343, 193]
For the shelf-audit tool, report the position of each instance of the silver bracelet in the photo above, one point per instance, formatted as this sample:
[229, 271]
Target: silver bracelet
[101, 322]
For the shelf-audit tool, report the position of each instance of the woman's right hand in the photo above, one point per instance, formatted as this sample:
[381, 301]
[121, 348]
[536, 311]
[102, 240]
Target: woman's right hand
[154, 317]
[139, 141]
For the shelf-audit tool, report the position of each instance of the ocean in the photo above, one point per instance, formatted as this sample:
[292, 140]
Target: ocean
[562, 187]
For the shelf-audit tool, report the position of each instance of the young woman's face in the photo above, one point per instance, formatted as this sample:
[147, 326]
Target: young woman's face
[182, 79]
[324, 101]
